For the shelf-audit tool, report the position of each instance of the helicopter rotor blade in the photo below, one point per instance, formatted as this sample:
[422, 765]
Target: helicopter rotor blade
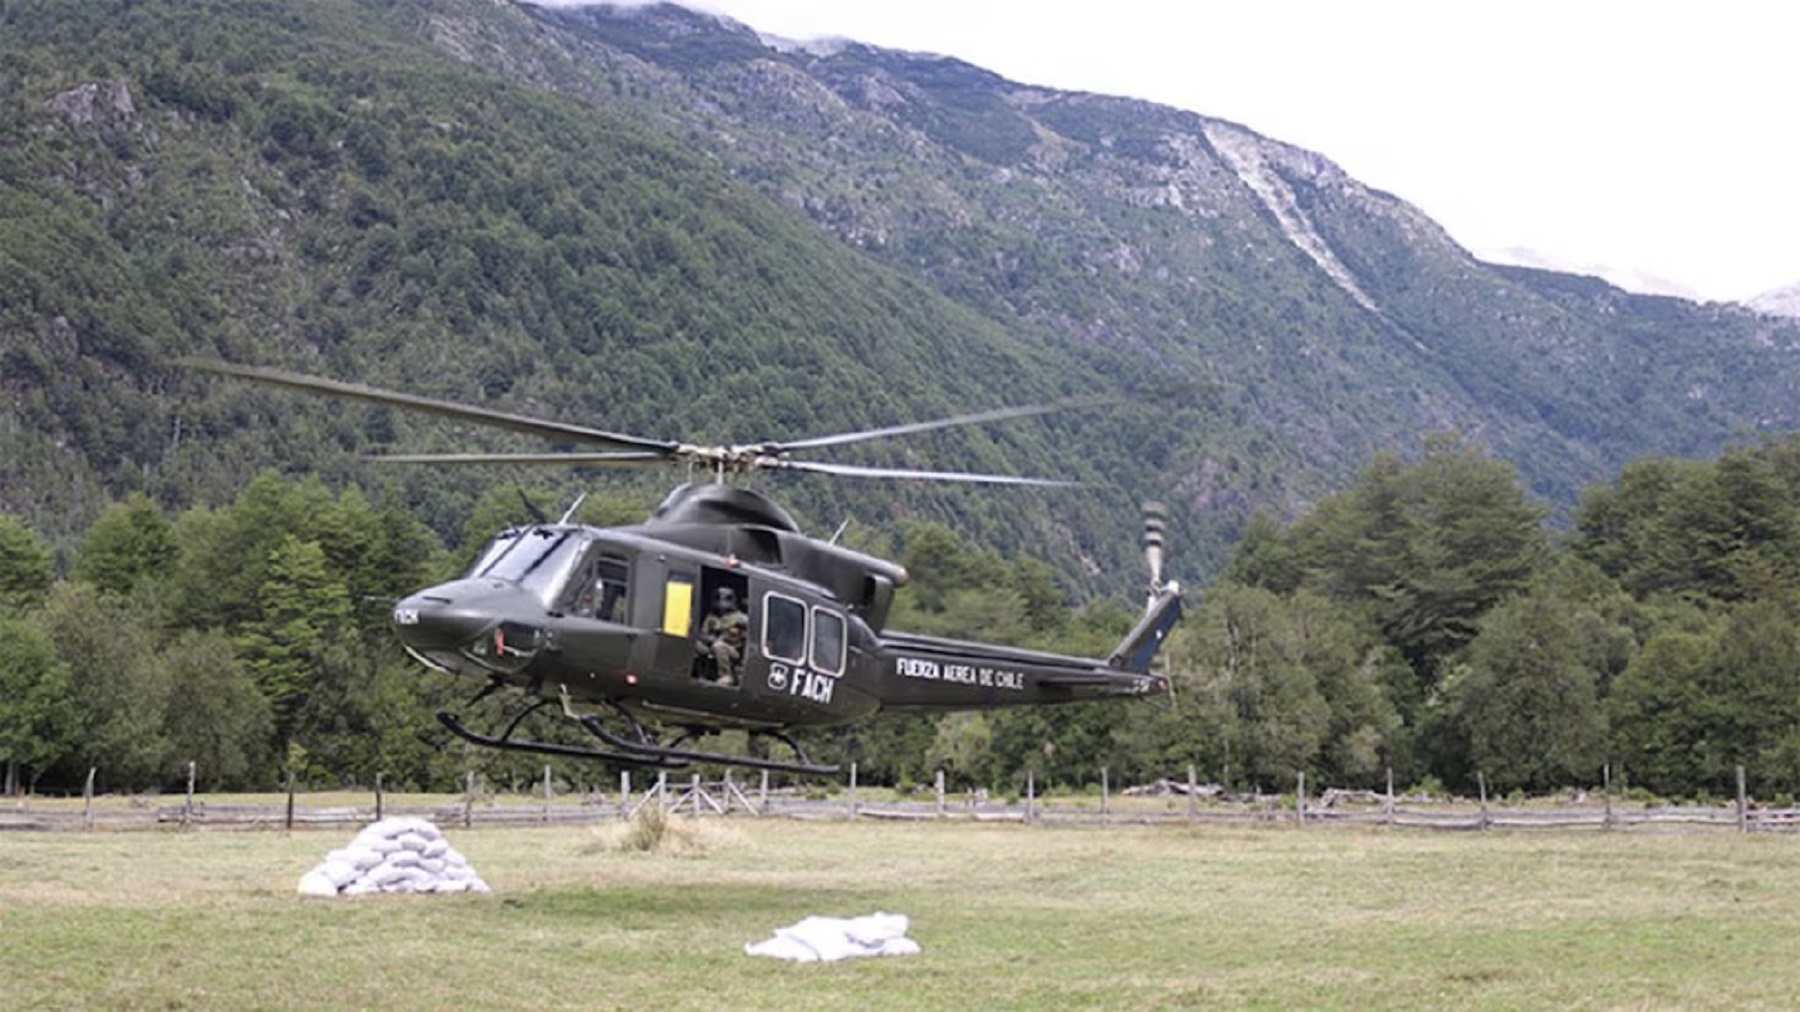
[1083, 403]
[854, 471]
[977, 418]
[429, 405]
[637, 451]
[620, 458]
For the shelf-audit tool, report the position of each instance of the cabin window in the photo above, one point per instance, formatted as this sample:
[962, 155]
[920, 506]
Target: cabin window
[678, 604]
[828, 641]
[784, 629]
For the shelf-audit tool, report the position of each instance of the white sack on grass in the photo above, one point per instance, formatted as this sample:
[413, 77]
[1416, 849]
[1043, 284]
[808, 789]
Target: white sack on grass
[398, 855]
[827, 939]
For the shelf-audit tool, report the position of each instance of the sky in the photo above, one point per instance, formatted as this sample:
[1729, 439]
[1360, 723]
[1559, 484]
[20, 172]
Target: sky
[1652, 141]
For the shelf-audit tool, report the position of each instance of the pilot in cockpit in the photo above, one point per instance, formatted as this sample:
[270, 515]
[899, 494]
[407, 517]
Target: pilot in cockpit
[603, 595]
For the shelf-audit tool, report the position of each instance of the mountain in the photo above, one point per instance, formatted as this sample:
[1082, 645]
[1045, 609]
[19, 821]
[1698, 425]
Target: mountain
[1338, 319]
[1628, 278]
[1780, 302]
[655, 221]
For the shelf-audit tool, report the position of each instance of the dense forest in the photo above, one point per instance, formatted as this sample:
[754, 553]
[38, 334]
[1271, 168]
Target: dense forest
[324, 191]
[1425, 621]
[652, 222]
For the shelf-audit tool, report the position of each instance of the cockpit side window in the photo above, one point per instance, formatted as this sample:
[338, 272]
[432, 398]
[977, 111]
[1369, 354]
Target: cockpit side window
[615, 588]
[601, 589]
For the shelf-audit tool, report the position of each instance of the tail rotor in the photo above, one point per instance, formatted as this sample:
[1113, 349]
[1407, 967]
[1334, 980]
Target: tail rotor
[1155, 544]
[1156, 526]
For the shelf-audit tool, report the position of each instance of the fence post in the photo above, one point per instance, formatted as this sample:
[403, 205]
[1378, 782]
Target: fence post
[1481, 784]
[1300, 800]
[1193, 795]
[1743, 803]
[1606, 789]
[87, 798]
[288, 824]
[938, 782]
[547, 792]
[762, 806]
[852, 792]
[1387, 804]
[378, 798]
[1030, 795]
[468, 798]
[187, 808]
[1105, 797]
[624, 794]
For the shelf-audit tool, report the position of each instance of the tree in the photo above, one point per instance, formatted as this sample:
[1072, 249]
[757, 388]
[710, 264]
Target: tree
[303, 613]
[1358, 676]
[1061, 745]
[119, 688]
[1709, 693]
[1659, 707]
[962, 746]
[1528, 706]
[1247, 661]
[223, 567]
[24, 566]
[1727, 529]
[1426, 549]
[1266, 557]
[129, 542]
[219, 720]
[1754, 695]
[37, 720]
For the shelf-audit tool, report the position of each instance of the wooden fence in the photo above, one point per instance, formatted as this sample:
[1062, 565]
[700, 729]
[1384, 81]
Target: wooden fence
[1166, 803]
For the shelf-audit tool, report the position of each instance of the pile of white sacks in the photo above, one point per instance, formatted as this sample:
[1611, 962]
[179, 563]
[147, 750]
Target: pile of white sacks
[399, 855]
[828, 939]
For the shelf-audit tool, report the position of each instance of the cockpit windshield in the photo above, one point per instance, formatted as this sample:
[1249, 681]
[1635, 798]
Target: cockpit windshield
[503, 541]
[538, 559]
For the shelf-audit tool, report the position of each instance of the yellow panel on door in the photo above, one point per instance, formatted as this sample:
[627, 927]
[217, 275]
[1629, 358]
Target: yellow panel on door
[678, 606]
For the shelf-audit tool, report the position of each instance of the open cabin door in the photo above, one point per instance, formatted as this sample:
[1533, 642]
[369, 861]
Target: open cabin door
[697, 603]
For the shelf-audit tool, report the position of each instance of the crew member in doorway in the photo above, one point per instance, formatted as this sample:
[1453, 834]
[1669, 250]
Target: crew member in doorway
[722, 635]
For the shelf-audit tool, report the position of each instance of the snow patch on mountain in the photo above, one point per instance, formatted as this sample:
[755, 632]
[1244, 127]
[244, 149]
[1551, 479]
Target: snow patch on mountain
[1255, 159]
[1780, 302]
[1630, 279]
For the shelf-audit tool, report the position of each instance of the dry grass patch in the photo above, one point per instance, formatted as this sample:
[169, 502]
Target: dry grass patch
[652, 830]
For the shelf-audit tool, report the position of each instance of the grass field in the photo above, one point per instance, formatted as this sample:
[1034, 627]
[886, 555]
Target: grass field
[1009, 917]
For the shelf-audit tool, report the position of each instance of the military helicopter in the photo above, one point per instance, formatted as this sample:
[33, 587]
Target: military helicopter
[716, 612]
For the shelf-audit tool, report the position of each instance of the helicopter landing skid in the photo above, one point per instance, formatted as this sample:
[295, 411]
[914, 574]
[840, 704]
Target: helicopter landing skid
[507, 742]
[647, 745]
[643, 742]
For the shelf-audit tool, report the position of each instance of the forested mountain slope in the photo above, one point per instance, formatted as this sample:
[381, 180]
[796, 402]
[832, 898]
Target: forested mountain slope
[1340, 318]
[655, 222]
[320, 189]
